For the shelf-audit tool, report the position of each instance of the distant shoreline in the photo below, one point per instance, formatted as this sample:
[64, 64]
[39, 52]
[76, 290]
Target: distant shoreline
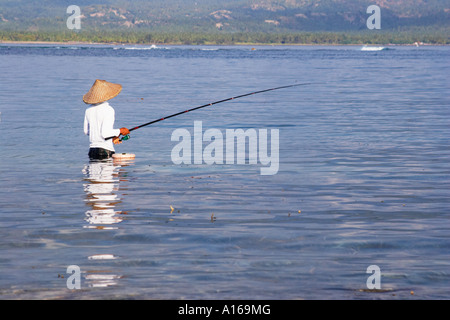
[121, 37]
[212, 44]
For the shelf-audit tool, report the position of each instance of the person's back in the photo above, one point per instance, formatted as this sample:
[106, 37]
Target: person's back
[99, 123]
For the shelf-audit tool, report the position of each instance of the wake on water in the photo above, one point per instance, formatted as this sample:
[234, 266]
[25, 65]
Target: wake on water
[366, 48]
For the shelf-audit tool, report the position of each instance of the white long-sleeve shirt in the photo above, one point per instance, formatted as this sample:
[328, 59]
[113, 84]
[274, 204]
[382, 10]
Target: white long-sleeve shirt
[99, 125]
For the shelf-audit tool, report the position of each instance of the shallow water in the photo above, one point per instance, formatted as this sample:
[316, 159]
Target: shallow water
[363, 156]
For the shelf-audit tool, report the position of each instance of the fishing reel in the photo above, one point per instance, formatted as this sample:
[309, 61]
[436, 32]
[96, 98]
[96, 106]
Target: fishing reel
[125, 138]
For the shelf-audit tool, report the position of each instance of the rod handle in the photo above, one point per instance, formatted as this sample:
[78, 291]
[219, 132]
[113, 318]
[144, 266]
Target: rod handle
[124, 138]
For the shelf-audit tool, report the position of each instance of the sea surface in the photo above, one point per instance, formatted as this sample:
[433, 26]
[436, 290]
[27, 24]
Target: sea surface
[363, 178]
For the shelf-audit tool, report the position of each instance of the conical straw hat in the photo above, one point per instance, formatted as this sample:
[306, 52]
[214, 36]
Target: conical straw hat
[102, 91]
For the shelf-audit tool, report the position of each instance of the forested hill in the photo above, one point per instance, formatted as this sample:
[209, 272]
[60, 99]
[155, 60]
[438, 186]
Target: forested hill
[229, 15]
[223, 17]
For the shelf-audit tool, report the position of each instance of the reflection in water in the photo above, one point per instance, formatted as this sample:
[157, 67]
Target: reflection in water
[101, 194]
[102, 185]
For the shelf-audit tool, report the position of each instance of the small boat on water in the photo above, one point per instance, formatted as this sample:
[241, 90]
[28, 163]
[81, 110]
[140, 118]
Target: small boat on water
[366, 48]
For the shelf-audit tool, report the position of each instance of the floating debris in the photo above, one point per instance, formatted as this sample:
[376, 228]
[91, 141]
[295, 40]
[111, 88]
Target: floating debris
[171, 209]
[376, 290]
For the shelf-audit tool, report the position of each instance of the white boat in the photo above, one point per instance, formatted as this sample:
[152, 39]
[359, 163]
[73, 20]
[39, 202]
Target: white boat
[366, 48]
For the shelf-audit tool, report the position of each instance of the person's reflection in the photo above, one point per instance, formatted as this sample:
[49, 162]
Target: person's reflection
[102, 185]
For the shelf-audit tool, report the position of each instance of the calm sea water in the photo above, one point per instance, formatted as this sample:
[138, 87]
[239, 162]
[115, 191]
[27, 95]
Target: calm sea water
[364, 175]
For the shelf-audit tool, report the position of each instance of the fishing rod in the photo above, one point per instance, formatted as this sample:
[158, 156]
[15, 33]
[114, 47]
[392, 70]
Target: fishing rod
[127, 137]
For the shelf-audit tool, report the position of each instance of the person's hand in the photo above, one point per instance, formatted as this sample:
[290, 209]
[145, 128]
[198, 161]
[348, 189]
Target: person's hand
[124, 131]
[116, 140]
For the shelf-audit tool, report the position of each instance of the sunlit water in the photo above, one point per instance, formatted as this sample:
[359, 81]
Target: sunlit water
[363, 180]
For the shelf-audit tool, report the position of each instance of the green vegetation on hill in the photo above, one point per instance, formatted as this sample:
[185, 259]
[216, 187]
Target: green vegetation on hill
[127, 37]
[227, 22]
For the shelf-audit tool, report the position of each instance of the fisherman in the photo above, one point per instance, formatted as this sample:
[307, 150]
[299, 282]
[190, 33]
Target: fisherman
[99, 120]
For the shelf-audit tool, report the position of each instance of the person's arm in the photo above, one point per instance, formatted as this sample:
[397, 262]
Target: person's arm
[86, 124]
[108, 130]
